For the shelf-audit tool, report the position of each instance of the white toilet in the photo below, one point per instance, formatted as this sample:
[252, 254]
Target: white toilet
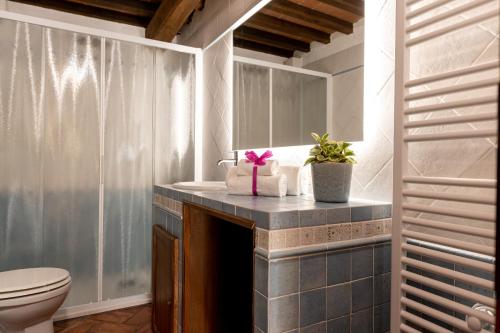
[30, 297]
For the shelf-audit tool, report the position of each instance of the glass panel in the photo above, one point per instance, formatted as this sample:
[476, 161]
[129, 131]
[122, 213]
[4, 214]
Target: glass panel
[251, 106]
[21, 127]
[128, 168]
[71, 159]
[174, 116]
[299, 107]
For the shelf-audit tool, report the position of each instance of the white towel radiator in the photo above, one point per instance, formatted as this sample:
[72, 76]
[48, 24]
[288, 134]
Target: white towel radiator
[444, 221]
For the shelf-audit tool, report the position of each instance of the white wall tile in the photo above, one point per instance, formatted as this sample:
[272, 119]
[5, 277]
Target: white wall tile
[217, 113]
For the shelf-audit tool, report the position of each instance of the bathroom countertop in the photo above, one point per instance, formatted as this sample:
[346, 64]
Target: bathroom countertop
[273, 213]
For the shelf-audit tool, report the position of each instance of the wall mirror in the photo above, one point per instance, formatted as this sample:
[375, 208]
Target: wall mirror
[298, 68]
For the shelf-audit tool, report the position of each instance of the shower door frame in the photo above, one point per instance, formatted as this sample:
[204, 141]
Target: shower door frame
[106, 305]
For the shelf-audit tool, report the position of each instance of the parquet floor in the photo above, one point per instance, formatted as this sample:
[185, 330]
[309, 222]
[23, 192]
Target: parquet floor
[130, 320]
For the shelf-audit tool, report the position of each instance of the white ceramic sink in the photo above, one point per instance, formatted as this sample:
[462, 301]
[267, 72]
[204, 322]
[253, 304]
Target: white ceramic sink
[200, 186]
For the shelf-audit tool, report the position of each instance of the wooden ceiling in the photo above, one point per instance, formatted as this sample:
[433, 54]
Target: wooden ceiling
[285, 26]
[162, 19]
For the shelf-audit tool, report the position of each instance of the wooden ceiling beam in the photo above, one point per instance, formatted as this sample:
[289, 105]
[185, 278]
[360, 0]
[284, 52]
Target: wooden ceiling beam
[346, 10]
[130, 7]
[90, 11]
[249, 45]
[294, 13]
[357, 7]
[284, 28]
[269, 39]
[169, 18]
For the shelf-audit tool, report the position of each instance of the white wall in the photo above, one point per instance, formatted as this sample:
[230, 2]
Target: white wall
[86, 21]
[218, 108]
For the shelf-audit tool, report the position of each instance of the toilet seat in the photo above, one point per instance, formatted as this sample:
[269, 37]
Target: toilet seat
[33, 291]
[31, 281]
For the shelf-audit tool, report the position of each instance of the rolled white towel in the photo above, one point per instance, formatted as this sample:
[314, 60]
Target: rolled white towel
[293, 175]
[270, 186]
[272, 168]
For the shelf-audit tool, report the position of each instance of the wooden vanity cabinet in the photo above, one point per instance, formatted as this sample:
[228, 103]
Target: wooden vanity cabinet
[165, 284]
[218, 271]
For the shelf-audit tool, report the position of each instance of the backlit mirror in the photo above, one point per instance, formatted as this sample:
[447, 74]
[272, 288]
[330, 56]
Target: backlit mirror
[298, 68]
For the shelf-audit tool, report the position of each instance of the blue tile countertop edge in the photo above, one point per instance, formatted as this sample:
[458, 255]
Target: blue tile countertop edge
[272, 213]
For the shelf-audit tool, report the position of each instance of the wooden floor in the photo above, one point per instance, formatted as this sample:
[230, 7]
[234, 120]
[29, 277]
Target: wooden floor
[136, 319]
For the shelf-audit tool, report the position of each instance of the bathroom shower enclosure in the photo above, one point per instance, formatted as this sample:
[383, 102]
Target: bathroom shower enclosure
[89, 121]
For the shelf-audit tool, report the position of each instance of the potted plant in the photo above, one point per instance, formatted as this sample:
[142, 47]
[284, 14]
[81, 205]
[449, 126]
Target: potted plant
[331, 166]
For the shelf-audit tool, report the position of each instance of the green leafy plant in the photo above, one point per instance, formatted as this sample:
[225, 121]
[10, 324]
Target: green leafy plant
[327, 150]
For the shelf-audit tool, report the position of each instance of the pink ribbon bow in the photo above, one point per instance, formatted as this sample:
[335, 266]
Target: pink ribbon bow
[257, 161]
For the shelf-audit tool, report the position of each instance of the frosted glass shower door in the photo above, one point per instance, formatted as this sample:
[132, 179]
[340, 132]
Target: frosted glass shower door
[49, 153]
[174, 116]
[128, 168]
[21, 195]
[71, 159]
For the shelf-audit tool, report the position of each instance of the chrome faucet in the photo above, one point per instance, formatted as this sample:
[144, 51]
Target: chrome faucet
[233, 160]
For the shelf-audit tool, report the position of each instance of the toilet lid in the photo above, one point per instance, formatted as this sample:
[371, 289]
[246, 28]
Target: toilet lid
[34, 291]
[30, 278]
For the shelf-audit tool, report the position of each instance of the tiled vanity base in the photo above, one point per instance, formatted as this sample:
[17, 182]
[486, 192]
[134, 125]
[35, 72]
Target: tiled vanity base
[318, 267]
[339, 291]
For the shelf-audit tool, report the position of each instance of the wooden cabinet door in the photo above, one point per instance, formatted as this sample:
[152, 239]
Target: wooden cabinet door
[165, 282]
